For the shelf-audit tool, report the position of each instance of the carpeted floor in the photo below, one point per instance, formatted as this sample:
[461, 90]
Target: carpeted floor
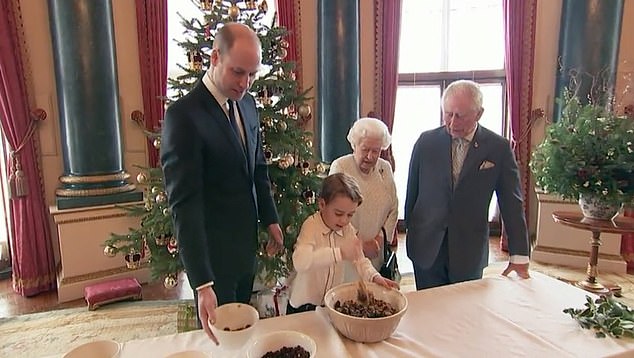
[55, 332]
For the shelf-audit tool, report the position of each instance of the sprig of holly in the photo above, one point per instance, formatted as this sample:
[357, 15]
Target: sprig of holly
[606, 316]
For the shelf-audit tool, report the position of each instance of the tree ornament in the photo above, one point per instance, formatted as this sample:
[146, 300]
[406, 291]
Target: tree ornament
[148, 206]
[282, 53]
[284, 43]
[110, 251]
[321, 168]
[161, 198]
[234, 12]
[166, 211]
[133, 260]
[205, 5]
[309, 143]
[290, 159]
[141, 178]
[157, 143]
[268, 121]
[283, 126]
[283, 163]
[309, 196]
[162, 240]
[304, 111]
[170, 281]
[289, 229]
[155, 190]
[263, 7]
[305, 167]
[172, 246]
[195, 61]
[268, 156]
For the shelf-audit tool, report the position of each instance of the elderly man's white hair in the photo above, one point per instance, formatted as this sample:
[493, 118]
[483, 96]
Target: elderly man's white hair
[372, 128]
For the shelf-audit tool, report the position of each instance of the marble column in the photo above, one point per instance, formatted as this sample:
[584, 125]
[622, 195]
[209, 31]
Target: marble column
[338, 74]
[88, 101]
[588, 49]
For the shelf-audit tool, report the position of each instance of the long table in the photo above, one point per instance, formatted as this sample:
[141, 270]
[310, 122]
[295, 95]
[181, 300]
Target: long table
[492, 317]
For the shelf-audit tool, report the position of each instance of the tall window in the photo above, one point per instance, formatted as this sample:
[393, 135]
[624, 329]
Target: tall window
[442, 41]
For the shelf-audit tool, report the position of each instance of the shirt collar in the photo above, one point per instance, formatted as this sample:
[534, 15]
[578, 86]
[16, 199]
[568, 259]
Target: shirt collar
[211, 86]
[325, 230]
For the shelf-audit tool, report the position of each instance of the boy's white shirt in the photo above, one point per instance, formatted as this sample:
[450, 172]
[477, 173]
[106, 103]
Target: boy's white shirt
[318, 263]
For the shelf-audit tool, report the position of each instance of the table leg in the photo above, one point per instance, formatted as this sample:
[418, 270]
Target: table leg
[590, 283]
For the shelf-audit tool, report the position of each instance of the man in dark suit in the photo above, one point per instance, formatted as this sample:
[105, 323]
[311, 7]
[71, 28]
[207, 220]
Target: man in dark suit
[216, 176]
[453, 173]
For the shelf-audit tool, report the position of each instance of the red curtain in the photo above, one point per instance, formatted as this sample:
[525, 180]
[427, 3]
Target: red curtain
[387, 32]
[519, 36]
[288, 16]
[32, 254]
[151, 25]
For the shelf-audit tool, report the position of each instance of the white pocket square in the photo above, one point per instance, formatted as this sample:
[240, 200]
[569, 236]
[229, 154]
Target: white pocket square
[486, 165]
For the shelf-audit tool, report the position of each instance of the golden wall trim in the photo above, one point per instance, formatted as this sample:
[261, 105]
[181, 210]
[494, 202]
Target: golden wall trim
[99, 274]
[579, 253]
[81, 179]
[91, 192]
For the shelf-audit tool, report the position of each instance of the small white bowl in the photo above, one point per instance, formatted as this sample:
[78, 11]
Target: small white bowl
[235, 323]
[95, 349]
[274, 341]
[189, 354]
[361, 329]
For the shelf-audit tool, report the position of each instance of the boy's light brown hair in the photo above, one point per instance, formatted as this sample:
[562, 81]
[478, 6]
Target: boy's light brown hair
[340, 184]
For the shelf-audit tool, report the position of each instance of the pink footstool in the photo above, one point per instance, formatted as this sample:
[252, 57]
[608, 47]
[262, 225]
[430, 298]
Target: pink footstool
[112, 291]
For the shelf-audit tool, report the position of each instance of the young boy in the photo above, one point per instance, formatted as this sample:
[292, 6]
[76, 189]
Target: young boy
[326, 241]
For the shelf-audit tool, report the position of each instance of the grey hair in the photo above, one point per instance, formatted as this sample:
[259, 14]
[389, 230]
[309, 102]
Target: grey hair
[369, 127]
[468, 87]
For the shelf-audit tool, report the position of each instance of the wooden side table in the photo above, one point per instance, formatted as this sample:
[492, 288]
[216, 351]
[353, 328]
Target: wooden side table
[619, 225]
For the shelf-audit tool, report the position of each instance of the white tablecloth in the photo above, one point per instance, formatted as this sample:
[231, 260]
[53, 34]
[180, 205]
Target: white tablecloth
[492, 317]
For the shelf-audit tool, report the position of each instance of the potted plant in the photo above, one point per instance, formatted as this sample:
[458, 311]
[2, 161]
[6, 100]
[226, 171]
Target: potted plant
[588, 155]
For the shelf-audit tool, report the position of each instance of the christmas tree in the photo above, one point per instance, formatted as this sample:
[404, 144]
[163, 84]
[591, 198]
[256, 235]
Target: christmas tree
[295, 175]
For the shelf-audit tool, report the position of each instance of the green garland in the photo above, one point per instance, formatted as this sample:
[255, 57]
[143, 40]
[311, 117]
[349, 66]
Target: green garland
[606, 316]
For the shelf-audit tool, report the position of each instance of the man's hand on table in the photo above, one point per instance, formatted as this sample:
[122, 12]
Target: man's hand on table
[520, 269]
[207, 304]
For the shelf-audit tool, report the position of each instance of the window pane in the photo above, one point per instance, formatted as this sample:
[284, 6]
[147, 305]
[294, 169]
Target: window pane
[417, 110]
[492, 118]
[421, 36]
[476, 35]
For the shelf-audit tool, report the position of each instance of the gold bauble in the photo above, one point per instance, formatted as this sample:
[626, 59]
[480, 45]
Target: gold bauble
[290, 159]
[170, 281]
[283, 126]
[166, 211]
[141, 178]
[282, 163]
[157, 143]
[303, 110]
[161, 198]
[321, 168]
[284, 43]
[283, 53]
[234, 12]
[110, 251]
[309, 143]
[155, 190]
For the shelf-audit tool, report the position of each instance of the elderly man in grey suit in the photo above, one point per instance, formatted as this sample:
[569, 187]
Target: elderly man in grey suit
[454, 170]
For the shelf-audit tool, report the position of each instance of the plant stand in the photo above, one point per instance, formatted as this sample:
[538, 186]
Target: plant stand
[618, 225]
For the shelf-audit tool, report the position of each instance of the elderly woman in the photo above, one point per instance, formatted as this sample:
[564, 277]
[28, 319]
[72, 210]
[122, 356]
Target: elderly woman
[379, 211]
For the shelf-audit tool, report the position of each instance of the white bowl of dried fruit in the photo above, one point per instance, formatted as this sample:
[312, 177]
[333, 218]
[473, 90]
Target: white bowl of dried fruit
[372, 317]
[282, 344]
[235, 323]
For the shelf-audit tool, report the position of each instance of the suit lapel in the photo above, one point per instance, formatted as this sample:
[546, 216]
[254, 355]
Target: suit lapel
[218, 115]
